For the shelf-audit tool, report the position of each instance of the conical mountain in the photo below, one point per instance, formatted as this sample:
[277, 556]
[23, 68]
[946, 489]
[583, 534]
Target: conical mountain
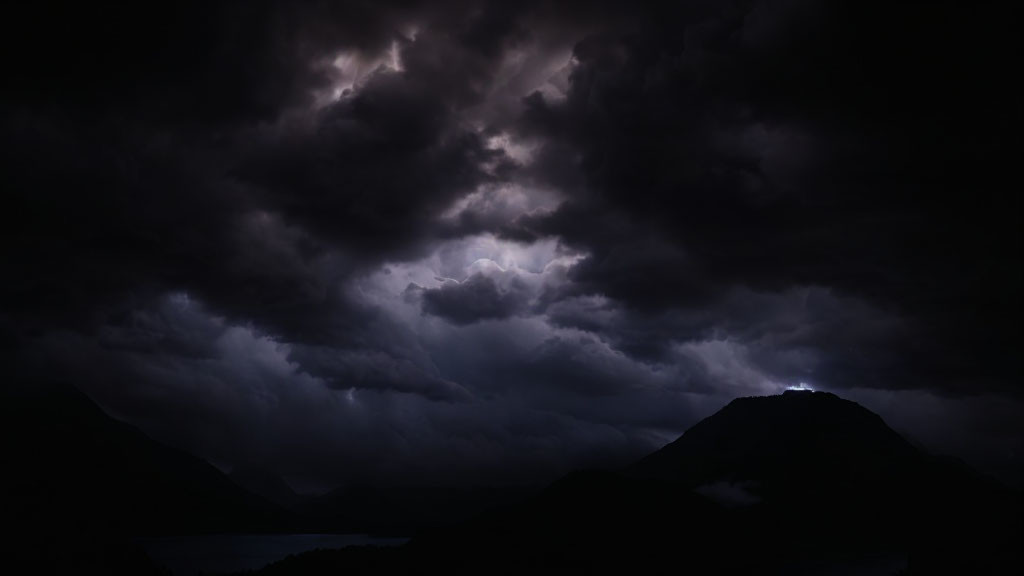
[796, 443]
[802, 482]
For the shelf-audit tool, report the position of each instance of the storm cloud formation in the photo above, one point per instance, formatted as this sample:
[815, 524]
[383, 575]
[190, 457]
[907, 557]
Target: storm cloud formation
[479, 242]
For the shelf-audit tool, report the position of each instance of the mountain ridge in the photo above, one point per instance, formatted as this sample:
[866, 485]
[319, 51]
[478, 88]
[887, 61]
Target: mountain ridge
[834, 488]
[83, 459]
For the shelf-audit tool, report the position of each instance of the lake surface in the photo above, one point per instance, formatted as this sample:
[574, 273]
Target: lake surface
[223, 553]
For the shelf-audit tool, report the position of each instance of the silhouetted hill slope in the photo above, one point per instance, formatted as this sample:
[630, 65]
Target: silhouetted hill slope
[406, 509]
[379, 509]
[77, 485]
[797, 483]
[267, 485]
[828, 469]
[70, 462]
[792, 441]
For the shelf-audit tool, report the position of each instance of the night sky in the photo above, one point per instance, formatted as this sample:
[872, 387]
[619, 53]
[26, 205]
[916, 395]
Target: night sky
[488, 243]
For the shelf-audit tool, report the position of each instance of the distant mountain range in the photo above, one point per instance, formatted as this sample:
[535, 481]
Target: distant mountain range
[798, 483]
[803, 482]
[81, 483]
[77, 483]
[268, 485]
[69, 461]
[379, 509]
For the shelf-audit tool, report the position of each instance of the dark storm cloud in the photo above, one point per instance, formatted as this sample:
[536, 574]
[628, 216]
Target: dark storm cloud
[376, 167]
[185, 62]
[612, 220]
[246, 399]
[193, 159]
[477, 298]
[784, 145]
[165, 164]
[374, 369]
[802, 334]
[267, 221]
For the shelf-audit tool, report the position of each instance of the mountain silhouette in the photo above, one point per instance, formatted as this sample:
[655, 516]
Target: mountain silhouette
[268, 485]
[78, 483]
[802, 482]
[406, 509]
[799, 440]
[833, 475]
[798, 483]
[400, 510]
[71, 460]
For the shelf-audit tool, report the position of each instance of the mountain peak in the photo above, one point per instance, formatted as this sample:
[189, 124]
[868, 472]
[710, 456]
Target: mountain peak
[803, 392]
[789, 439]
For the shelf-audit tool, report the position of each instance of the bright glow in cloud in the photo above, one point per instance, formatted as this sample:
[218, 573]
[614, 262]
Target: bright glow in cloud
[395, 57]
[349, 69]
[502, 204]
[519, 151]
[536, 265]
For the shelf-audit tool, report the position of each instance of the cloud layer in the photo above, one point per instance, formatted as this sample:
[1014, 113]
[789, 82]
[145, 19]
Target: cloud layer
[482, 243]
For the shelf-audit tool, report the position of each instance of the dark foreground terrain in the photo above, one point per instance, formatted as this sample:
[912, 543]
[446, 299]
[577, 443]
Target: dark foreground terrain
[800, 483]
